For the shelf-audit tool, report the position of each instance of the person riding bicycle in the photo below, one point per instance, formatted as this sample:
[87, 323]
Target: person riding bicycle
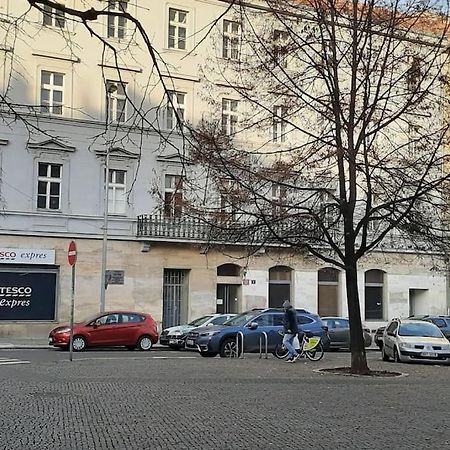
[290, 331]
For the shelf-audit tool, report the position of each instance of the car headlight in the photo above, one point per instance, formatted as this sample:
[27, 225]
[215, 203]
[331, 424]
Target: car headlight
[63, 330]
[178, 333]
[210, 333]
[405, 345]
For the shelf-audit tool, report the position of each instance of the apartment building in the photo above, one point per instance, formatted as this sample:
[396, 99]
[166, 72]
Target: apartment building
[68, 111]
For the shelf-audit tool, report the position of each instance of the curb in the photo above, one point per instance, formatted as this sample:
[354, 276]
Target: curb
[10, 346]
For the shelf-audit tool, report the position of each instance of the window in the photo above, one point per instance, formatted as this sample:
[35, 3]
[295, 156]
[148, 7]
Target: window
[279, 124]
[392, 327]
[374, 294]
[219, 320]
[303, 320]
[53, 17]
[177, 29]
[175, 106]
[341, 323]
[265, 320]
[279, 285]
[49, 186]
[117, 25]
[278, 320]
[173, 196]
[116, 101]
[229, 116]
[439, 323]
[231, 39]
[278, 200]
[328, 292]
[117, 191]
[132, 318]
[52, 87]
[280, 50]
[414, 74]
[228, 199]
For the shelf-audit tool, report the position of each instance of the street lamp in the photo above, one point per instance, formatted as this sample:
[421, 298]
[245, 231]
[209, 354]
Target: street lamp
[111, 89]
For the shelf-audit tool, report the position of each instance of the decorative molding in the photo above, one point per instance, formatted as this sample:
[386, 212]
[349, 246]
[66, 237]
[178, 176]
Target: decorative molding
[180, 76]
[117, 152]
[51, 145]
[173, 158]
[126, 69]
[60, 57]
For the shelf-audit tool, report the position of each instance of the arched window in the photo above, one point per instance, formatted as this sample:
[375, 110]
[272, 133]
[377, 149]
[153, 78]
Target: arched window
[373, 294]
[328, 292]
[279, 285]
[228, 270]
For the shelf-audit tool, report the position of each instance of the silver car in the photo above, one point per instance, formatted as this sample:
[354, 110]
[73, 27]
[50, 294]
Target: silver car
[406, 340]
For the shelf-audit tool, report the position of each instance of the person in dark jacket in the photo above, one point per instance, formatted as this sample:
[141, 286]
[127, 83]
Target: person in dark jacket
[290, 331]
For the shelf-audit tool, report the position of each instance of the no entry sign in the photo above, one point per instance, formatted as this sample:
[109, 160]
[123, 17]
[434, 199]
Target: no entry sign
[72, 253]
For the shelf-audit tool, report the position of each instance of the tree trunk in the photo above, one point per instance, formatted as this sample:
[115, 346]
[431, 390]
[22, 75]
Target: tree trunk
[358, 350]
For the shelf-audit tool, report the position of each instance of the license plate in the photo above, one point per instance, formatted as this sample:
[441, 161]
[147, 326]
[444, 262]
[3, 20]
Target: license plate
[172, 341]
[429, 355]
[189, 342]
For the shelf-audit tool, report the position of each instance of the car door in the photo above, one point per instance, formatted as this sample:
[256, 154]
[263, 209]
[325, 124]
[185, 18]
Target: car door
[342, 333]
[389, 338]
[104, 330]
[128, 329]
[252, 337]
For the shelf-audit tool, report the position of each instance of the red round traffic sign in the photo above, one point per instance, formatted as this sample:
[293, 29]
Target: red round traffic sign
[72, 253]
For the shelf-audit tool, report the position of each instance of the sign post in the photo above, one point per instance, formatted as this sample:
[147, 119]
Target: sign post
[72, 259]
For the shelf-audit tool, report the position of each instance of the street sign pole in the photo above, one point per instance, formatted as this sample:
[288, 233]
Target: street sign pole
[72, 304]
[72, 259]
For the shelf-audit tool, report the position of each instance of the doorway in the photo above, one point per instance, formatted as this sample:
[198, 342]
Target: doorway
[227, 299]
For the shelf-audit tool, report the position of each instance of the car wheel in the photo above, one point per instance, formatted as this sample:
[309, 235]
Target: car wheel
[384, 356]
[145, 343]
[208, 354]
[228, 348]
[396, 356]
[280, 351]
[78, 343]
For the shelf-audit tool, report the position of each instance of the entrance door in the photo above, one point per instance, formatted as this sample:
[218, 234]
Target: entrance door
[227, 299]
[174, 297]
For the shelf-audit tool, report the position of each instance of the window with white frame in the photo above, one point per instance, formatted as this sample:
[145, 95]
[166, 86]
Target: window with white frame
[231, 39]
[117, 25]
[53, 17]
[117, 187]
[173, 195]
[230, 116]
[177, 29]
[228, 199]
[280, 49]
[49, 186]
[279, 124]
[52, 90]
[279, 193]
[116, 101]
[176, 105]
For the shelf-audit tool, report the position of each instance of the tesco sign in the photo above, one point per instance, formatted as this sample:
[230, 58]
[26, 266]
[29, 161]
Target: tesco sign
[26, 256]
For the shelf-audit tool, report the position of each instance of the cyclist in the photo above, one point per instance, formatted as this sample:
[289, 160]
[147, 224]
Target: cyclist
[290, 331]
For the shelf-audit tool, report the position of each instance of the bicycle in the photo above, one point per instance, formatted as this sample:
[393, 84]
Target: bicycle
[311, 347]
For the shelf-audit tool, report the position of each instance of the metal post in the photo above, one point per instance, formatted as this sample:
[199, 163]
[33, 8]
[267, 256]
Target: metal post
[103, 282]
[239, 333]
[72, 302]
[263, 334]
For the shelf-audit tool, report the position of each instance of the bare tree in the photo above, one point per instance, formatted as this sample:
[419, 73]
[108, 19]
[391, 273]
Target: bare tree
[331, 139]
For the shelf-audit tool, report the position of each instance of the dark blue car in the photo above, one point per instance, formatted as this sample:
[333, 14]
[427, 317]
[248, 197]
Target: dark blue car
[221, 339]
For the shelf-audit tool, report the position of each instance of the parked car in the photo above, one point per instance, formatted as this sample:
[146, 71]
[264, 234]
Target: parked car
[407, 340]
[378, 338]
[441, 321]
[339, 333]
[114, 328]
[174, 337]
[221, 339]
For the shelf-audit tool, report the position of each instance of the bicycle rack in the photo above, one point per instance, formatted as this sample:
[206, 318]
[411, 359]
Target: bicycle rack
[239, 333]
[263, 334]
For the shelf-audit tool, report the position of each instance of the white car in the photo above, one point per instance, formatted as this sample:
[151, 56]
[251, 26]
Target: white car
[414, 340]
[175, 336]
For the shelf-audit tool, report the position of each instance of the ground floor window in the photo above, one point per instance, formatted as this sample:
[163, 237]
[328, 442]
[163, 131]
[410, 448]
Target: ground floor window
[279, 286]
[328, 292]
[373, 294]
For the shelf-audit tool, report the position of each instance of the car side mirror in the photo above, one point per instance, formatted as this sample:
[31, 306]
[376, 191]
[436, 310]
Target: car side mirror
[253, 325]
[210, 325]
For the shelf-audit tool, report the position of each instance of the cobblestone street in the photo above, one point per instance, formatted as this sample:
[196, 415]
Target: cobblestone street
[177, 400]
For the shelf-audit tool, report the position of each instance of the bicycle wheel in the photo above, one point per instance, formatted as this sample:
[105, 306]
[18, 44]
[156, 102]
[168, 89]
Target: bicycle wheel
[280, 351]
[316, 354]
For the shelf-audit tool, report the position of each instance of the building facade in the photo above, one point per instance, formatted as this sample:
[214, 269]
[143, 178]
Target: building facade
[67, 108]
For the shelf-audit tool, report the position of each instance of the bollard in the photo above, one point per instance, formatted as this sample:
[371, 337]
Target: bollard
[239, 333]
[263, 334]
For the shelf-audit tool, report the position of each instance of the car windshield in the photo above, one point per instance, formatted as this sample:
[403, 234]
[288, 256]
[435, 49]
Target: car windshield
[419, 329]
[200, 321]
[242, 319]
[91, 318]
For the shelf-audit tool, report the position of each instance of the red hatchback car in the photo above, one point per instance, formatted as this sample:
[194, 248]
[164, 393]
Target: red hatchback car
[115, 328]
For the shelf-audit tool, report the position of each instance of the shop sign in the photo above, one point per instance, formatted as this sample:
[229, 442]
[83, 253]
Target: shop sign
[27, 295]
[26, 256]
